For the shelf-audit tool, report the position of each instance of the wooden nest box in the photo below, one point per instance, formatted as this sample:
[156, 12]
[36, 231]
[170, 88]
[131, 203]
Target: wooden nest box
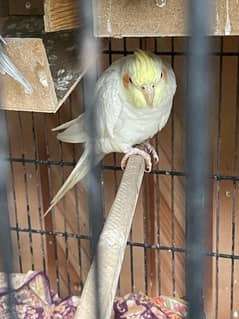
[147, 18]
[47, 59]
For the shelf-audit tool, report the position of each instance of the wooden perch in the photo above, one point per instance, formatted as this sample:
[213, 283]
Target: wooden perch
[112, 244]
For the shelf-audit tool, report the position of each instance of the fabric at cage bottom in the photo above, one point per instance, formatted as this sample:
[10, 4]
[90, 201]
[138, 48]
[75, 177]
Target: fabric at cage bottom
[35, 300]
[139, 306]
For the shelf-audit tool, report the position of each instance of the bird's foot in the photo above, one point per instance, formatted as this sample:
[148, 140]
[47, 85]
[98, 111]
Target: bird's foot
[151, 150]
[137, 151]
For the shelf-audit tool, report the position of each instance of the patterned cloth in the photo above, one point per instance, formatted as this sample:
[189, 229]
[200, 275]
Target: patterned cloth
[34, 299]
[139, 306]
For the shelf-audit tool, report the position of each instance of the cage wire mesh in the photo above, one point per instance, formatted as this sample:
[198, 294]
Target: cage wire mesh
[155, 254]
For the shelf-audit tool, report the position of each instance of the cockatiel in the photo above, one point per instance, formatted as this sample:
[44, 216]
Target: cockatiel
[133, 102]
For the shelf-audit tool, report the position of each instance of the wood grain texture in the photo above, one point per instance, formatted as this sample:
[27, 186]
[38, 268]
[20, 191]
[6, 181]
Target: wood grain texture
[114, 18]
[30, 57]
[61, 15]
[112, 244]
[43, 174]
[151, 230]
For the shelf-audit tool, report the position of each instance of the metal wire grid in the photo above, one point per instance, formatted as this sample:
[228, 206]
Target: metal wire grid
[35, 161]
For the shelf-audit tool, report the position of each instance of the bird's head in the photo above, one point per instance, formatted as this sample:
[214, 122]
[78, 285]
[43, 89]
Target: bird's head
[144, 78]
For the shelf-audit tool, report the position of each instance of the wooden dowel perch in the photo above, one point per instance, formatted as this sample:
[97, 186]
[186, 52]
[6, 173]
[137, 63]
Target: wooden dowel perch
[112, 244]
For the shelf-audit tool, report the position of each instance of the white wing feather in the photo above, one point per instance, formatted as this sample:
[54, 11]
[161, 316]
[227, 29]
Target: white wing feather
[108, 103]
[74, 131]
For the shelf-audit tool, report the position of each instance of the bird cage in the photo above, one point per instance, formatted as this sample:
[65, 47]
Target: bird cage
[59, 245]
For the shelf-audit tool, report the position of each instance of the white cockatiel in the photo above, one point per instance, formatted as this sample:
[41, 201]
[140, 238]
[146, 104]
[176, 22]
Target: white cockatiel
[133, 102]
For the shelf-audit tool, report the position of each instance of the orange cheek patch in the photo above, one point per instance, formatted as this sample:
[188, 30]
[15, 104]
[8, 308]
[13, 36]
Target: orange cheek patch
[165, 75]
[126, 81]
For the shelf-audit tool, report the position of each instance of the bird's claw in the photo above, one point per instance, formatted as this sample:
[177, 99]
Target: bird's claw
[145, 150]
[151, 150]
[137, 151]
[156, 158]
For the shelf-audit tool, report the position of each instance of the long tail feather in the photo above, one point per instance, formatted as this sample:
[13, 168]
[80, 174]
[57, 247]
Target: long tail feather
[78, 173]
[74, 131]
[69, 123]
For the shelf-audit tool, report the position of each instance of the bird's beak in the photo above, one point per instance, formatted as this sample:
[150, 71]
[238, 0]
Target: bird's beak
[149, 95]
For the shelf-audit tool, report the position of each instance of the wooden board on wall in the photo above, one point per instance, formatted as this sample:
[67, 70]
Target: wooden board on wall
[61, 15]
[23, 7]
[3, 8]
[114, 18]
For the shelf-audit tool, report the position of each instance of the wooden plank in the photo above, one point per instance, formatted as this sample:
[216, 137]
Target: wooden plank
[23, 7]
[151, 235]
[116, 18]
[30, 58]
[45, 192]
[61, 15]
[112, 244]
[4, 8]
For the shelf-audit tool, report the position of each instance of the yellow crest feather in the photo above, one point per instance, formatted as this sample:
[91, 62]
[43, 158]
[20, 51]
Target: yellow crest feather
[145, 70]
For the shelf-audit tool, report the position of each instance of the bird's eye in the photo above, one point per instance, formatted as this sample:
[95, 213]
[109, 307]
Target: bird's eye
[130, 80]
[161, 75]
[153, 86]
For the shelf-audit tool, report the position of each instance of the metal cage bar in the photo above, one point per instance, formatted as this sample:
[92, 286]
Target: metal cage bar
[197, 154]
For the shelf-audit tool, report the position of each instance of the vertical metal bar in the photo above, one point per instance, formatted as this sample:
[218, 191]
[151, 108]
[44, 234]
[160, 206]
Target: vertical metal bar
[150, 229]
[172, 185]
[90, 49]
[50, 220]
[116, 184]
[38, 188]
[157, 204]
[218, 183]
[78, 211]
[131, 248]
[13, 181]
[142, 47]
[235, 189]
[233, 247]
[66, 271]
[46, 186]
[158, 221]
[5, 237]
[26, 188]
[197, 153]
